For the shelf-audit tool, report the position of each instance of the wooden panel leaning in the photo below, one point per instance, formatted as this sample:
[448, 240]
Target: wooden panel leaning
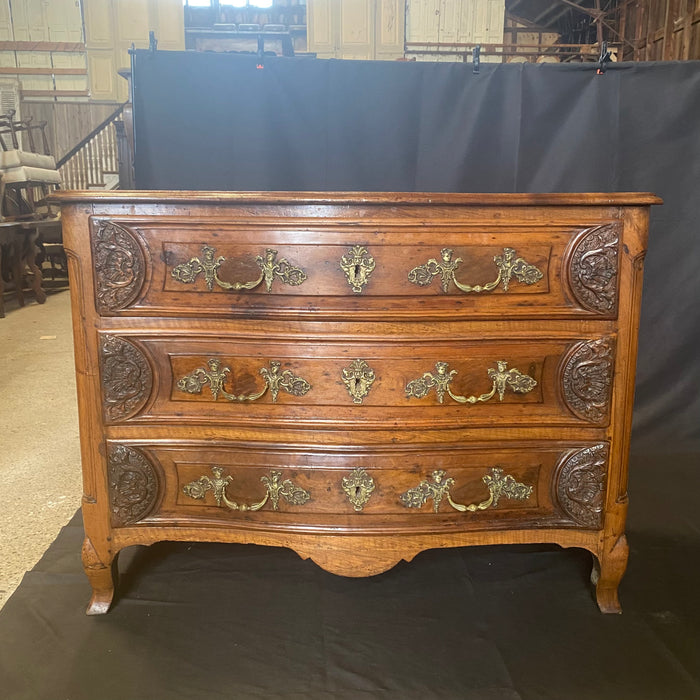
[358, 377]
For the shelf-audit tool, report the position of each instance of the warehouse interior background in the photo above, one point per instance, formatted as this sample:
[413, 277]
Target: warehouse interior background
[65, 104]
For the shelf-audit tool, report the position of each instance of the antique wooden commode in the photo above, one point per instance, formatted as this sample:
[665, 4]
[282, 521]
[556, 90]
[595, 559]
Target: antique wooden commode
[356, 376]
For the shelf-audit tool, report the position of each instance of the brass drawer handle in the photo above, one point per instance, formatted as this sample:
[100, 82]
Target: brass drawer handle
[500, 485]
[508, 266]
[357, 264]
[215, 377]
[441, 380]
[274, 488]
[209, 264]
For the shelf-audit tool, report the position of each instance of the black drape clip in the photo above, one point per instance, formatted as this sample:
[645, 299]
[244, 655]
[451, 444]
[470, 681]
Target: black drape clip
[603, 58]
[476, 59]
[152, 42]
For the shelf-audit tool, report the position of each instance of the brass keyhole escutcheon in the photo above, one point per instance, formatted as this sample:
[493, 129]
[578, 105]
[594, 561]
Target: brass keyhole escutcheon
[357, 264]
[358, 487]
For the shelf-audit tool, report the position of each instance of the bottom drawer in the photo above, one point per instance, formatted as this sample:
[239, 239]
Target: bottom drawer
[361, 490]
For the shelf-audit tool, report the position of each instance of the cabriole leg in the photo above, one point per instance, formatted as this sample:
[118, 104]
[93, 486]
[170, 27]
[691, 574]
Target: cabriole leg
[102, 575]
[608, 569]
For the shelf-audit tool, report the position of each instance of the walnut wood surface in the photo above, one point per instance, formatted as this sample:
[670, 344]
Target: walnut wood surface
[138, 331]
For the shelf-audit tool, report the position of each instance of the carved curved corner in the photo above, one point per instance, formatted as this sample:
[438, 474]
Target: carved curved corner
[593, 268]
[127, 378]
[586, 379]
[580, 485]
[133, 485]
[120, 265]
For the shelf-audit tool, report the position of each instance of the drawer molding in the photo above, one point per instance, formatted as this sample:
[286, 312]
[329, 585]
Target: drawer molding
[270, 270]
[120, 266]
[508, 266]
[587, 378]
[499, 485]
[501, 377]
[274, 489]
[581, 482]
[133, 485]
[358, 265]
[127, 378]
[215, 377]
[593, 268]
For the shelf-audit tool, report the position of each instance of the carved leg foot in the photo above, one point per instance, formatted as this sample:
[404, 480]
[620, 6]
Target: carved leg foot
[608, 570]
[101, 575]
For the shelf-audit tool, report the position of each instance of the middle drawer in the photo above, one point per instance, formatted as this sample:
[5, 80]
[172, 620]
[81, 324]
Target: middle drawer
[241, 381]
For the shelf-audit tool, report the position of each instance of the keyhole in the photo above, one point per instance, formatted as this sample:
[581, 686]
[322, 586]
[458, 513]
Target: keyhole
[358, 491]
[357, 270]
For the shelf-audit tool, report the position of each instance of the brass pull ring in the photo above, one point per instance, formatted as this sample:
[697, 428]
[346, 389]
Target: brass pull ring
[209, 264]
[508, 267]
[498, 484]
[274, 488]
[501, 379]
[215, 376]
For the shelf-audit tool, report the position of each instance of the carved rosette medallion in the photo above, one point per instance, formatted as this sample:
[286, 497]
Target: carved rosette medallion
[120, 266]
[126, 378]
[593, 269]
[133, 485]
[587, 379]
[580, 485]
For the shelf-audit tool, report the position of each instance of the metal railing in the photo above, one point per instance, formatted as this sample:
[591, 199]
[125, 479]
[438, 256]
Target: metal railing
[88, 163]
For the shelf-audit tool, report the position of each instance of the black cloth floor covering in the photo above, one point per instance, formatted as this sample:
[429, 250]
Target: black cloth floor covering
[491, 623]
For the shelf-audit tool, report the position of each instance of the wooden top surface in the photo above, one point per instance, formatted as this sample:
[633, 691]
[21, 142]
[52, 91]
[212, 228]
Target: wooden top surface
[368, 198]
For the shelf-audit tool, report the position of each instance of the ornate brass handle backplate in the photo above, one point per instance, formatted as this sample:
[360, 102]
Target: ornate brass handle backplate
[499, 485]
[209, 264]
[274, 489]
[215, 377]
[508, 266]
[443, 376]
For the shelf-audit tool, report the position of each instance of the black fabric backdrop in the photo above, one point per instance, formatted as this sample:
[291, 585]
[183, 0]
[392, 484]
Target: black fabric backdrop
[207, 621]
[215, 621]
[219, 122]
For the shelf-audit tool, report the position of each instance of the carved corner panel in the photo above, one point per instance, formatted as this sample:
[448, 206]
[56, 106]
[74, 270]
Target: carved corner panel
[586, 379]
[580, 485]
[120, 266]
[127, 378]
[133, 485]
[593, 268]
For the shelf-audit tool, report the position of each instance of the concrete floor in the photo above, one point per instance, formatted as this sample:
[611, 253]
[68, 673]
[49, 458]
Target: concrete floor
[40, 479]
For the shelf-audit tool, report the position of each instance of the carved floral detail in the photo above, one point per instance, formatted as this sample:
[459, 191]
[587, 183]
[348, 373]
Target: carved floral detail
[593, 269]
[587, 378]
[126, 378]
[581, 485]
[120, 266]
[133, 485]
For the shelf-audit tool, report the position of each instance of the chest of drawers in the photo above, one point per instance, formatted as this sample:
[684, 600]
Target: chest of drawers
[358, 377]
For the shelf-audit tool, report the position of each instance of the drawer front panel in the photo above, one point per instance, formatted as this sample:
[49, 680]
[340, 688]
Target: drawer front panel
[285, 270]
[355, 488]
[415, 384]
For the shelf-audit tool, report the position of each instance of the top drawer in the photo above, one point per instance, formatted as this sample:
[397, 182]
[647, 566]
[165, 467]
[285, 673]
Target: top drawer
[221, 268]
